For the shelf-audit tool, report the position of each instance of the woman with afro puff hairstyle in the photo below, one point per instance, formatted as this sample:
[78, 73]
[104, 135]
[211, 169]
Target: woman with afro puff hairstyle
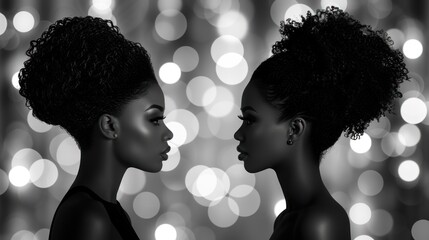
[328, 74]
[83, 75]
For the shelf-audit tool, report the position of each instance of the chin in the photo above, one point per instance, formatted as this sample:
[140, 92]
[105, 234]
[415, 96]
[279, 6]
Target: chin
[153, 168]
[251, 169]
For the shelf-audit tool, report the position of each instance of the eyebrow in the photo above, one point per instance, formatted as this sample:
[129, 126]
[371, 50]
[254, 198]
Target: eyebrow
[247, 108]
[155, 106]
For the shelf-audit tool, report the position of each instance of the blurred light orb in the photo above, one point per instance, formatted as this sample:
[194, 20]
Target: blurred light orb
[247, 199]
[232, 23]
[172, 218]
[4, 182]
[360, 213]
[179, 133]
[212, 184]
[170, 72]
[296, 11]
[188, 120]
[361, 145]
[15, 80]
[3, 24]
[363, 237]
[19, 176]
[370, 183]
[165, 232]
[241, 191]
[206, 182]
[379, 129]
[42, 234]
[36, 124]
[23, 235]
[381, 222]
[192, 176]
[226, 44]
[102, 4]
[279, 207]
[420, 229]
[186, 58]
[105, 13]
[201, 91]
[409, 135]
[170, 24]
[229, 60]
[133, 181]
[146, 205]
[23, 21]
[68, 155]
[168, 5]
[173, 160]
[223, 212]
[223, 103]
[380, 9]
[278, 10]
[412, 48]
[413, 110]
[232, 68]
[391, 145]
[239, 176]
[408, 170]
[25, 157]
[43, 173]
[342, 4]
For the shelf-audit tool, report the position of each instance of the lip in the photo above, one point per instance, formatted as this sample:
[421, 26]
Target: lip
[163, 154]
[243, 154]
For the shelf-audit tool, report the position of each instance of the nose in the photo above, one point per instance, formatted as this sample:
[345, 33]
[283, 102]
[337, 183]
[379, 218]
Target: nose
[168, 135]
[238, 136]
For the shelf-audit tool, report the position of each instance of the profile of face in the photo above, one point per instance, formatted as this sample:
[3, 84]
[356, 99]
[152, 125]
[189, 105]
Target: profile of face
[262, 136]
[142, 137]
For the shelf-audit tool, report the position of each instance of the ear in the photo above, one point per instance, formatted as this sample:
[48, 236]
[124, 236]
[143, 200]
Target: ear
[297, 126]
[108, 126]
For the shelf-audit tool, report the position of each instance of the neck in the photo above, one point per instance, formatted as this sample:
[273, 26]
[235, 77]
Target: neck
[301, 183]
[100, 172]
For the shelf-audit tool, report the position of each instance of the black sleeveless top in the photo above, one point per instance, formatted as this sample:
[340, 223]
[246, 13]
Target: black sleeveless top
[117, 214]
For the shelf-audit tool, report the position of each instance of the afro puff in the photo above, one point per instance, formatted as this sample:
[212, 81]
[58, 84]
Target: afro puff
[333, 70]
[80, 68]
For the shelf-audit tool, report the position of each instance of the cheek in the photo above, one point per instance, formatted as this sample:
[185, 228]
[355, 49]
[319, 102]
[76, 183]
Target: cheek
[267, 142]
[136, 140]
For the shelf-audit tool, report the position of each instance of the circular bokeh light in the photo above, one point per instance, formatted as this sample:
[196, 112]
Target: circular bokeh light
[412, 48]
[408, 170]
[170, 73]
[170, 24]
[23, 21]
[360, 213]
[146, 205]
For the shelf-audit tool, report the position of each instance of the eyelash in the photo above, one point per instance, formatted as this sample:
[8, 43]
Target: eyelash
[248, 121]
[156, 120]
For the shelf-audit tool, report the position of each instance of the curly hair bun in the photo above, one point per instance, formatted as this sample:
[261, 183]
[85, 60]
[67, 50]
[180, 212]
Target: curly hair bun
[80, 68]
[350, 71]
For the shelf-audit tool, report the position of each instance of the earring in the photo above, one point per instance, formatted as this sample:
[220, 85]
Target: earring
[289, 142]
[115, 135]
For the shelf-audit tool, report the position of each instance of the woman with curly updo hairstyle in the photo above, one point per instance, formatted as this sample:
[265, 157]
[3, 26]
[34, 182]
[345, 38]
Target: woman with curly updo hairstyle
[83, 75]
[328, 74]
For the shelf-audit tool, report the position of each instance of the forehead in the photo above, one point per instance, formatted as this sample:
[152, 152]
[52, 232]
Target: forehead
[252, 97]
[152, 96]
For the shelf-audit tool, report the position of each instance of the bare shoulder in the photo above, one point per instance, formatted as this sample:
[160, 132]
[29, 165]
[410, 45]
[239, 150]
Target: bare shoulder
[81, 217]
[327, 221]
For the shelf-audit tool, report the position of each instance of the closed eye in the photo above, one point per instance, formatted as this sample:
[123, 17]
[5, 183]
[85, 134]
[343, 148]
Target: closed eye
[156, 120]
[247, 121]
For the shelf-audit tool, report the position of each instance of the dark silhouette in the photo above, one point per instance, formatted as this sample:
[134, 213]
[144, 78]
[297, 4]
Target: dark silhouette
[328, 74]
[83, 75]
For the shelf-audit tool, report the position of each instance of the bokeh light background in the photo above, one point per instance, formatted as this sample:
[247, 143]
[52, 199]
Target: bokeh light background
[204, 52]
